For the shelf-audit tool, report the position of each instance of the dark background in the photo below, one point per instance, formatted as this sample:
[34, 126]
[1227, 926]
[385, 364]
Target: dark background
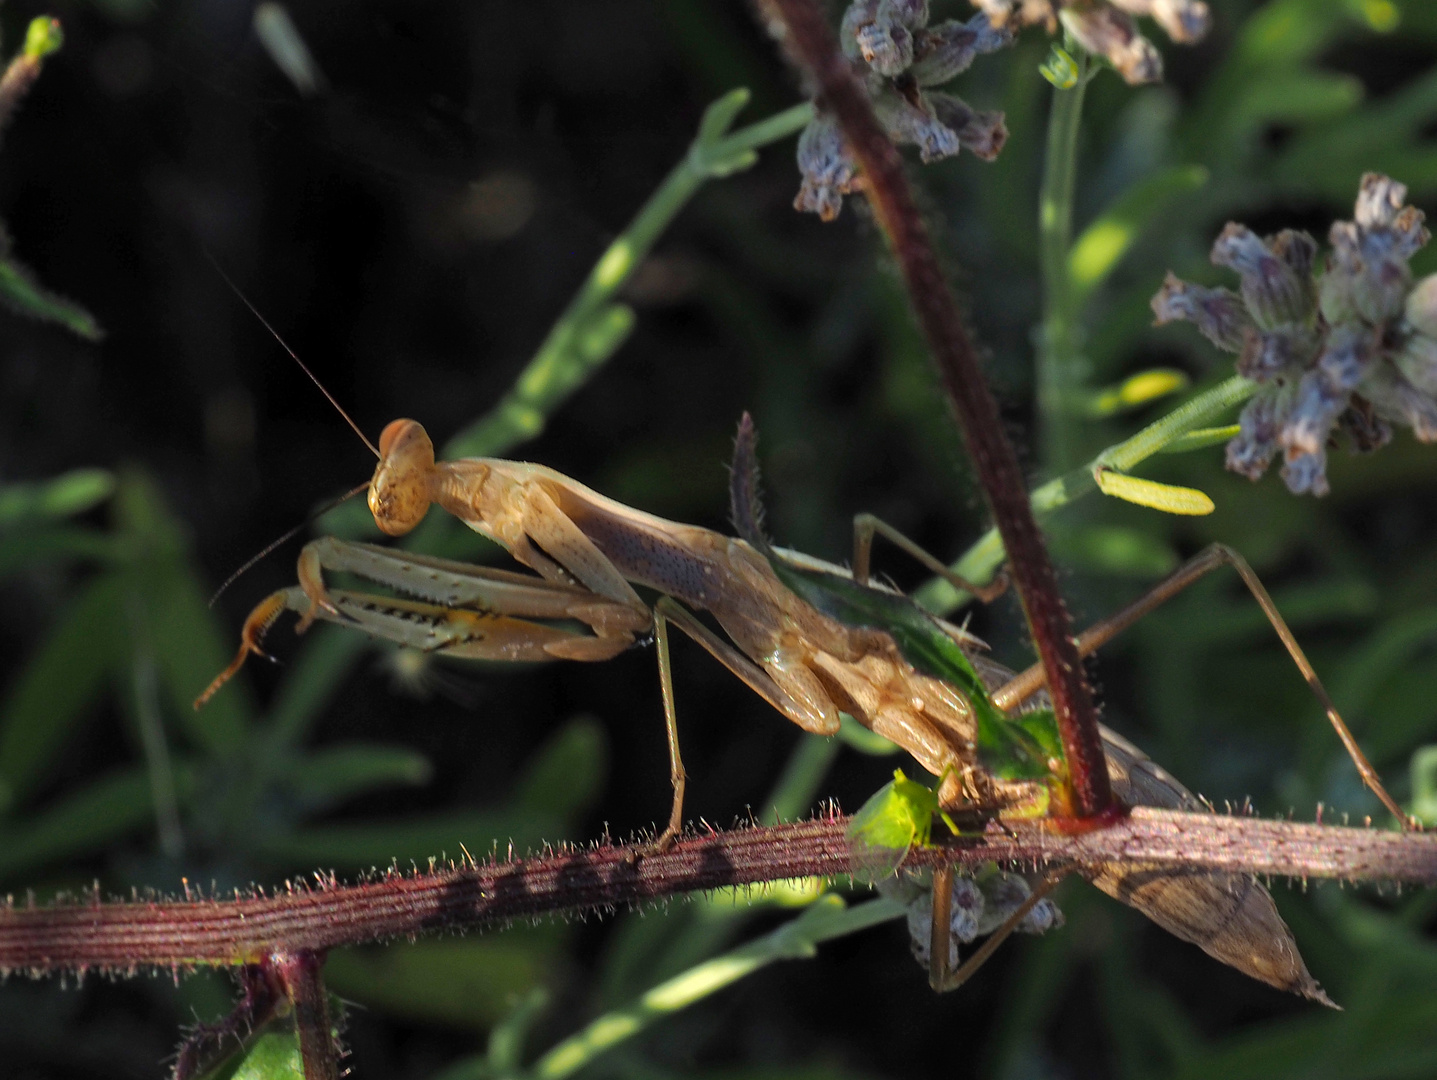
[412, 232]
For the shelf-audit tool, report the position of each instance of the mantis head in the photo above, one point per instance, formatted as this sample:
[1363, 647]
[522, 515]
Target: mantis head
[403, 484]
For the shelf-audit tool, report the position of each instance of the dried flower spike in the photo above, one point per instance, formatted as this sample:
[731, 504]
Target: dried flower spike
[899, 56]
[1106, 27]
[1338, 359]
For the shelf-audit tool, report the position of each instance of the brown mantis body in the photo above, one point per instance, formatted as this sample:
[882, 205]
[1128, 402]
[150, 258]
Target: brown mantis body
[589, 551]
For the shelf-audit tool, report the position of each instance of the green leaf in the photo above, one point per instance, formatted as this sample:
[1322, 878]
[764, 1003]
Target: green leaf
[324, 663]
[464, 983]
[165, 594]
[566, 776]
[1168, 498]
[83, 822]
[59, 683]
[1202, 438]
[66, 495]
[1135, 391]
[1102, 245]
[861, 739]
[1007, 750]
[25, 548]
[720, 115]
[330, 776]
[23, 294]
[1115, 549]
[273, 1055]
[1424, 785]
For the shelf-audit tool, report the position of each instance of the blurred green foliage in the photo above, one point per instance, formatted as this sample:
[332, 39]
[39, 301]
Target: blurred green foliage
[106, 772]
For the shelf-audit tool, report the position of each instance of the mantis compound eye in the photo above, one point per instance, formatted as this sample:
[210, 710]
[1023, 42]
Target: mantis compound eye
[399, 494]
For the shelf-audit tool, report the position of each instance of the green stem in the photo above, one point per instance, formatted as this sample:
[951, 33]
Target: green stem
[1061, 370]
[981, 560]
[826, 918]
[593, 326]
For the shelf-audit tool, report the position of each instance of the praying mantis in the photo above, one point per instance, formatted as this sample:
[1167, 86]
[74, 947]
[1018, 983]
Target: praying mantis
[589, 552]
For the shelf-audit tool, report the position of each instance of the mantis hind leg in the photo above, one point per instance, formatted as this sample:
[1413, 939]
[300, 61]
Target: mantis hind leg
[1207, 560]
[866, 526]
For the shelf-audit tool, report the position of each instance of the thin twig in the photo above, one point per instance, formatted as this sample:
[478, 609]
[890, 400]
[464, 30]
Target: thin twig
[812, 43]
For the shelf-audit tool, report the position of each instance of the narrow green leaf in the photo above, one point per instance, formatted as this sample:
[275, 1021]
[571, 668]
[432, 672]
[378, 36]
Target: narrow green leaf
[25, 548]
[1104, 243]
[566, 776]
[86, 821]
[1168, 498]
[1135, 391]
[464, 983]
[49, 500]
[330, 776]
[1424, 785]
[58, 684]
[23, 294]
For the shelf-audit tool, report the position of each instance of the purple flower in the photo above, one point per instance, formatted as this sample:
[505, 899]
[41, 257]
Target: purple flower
[1349, 355]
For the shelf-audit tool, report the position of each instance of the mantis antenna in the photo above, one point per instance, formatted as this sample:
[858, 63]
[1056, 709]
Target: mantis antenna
[289, 535]
[295, 357]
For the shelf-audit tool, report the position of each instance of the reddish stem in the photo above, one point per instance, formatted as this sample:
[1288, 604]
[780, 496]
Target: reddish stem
[300, 974]
[121, 936]
[996, 464]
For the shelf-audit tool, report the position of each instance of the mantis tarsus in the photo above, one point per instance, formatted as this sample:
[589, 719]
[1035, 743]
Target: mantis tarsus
[589, 551]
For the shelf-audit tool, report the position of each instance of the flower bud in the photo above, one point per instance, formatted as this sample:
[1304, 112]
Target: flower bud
[1420, 308]
[1417, 360]
[1306, 474]
[829, 171]
[1365, 430]
[1272, 354]
[906, 122]
[1276, 274]
[1114, 35]
[1398, 400]
[1256, 444]
[1185, 21]
[980, 133]
[945, 51]
[1219, 314]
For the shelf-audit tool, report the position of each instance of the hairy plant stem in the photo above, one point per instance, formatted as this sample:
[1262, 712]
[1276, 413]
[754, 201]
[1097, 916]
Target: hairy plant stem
[1060, 364]
[124, 936]
[300, 974]
[813, 44]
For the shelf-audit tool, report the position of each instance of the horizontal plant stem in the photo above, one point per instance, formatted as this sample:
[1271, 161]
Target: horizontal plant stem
[995, 463]
[125, 935]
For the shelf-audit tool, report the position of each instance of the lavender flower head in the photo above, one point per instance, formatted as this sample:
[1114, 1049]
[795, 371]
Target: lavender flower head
[1338, 359]
[899, 56]
[1106, 27]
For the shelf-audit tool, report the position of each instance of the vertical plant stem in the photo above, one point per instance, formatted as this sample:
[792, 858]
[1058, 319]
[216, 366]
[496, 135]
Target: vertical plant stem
[299, 972]
[994, 460]
[1061, 369]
